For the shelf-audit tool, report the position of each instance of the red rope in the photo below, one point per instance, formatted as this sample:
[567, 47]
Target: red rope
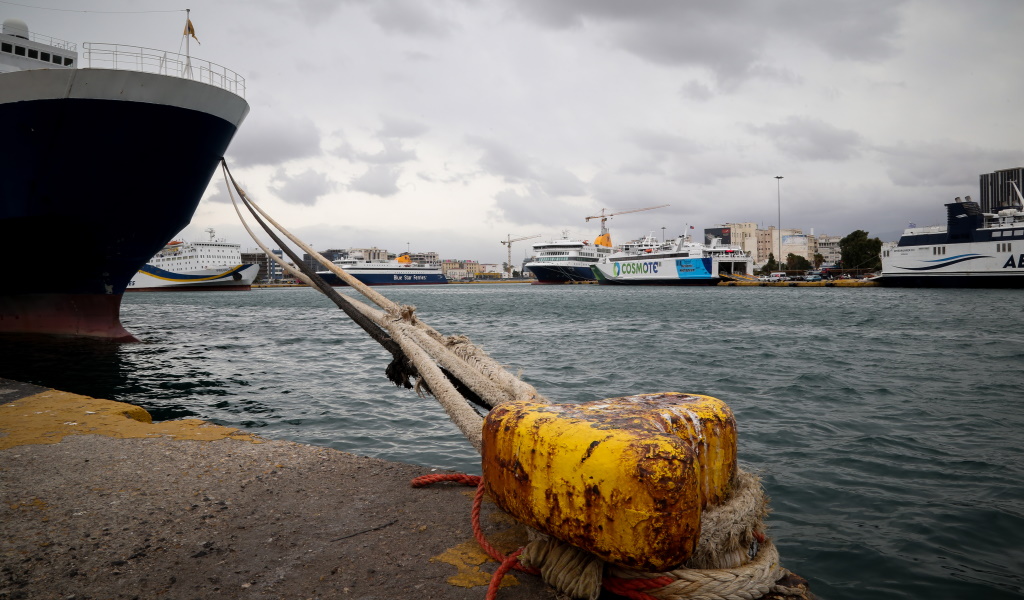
[511, 562]
[425, 480]
[507, 563]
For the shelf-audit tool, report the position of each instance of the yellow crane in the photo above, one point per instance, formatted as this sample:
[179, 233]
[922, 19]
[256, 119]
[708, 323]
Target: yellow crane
[604, 239]
[508, 242]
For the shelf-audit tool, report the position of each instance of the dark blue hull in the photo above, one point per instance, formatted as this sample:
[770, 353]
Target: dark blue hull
[1009, 281]
[387, 278]
[561, 274]
[94, 189]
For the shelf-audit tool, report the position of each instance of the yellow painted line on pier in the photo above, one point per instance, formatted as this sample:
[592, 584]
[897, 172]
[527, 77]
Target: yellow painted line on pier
[48, 417]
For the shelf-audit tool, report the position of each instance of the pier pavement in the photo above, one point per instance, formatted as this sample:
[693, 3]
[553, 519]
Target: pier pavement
[97, 501]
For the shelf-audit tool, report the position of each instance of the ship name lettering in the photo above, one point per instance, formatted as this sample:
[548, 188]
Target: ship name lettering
[637, 268]
[1014, 264]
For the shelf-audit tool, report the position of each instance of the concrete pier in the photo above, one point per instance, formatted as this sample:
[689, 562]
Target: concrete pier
[96, 501]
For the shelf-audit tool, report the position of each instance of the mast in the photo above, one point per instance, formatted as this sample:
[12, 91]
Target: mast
[187, 71]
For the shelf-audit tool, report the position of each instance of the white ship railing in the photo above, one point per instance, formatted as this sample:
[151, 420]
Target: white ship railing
[52, 41]
[149, 60]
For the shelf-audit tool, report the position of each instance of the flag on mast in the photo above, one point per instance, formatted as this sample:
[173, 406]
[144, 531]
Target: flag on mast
[189, 30]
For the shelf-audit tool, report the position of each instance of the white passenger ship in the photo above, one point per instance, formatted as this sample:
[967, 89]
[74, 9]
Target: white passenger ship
[973, 249]
[213, 265]
[676, 262]
[567, 260]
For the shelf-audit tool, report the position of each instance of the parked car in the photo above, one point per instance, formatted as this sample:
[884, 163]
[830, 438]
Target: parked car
[812, 278]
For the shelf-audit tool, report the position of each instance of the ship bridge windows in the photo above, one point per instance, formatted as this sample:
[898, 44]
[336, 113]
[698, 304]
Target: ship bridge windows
[33, 53]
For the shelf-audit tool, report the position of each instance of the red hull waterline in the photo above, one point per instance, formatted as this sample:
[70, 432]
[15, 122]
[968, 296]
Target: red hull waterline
[91, 315]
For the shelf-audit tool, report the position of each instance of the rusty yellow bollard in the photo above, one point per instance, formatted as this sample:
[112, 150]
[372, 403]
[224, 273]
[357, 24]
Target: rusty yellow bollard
[624, 478]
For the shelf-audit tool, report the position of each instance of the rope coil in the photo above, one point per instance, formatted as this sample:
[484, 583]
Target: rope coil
[579, 574]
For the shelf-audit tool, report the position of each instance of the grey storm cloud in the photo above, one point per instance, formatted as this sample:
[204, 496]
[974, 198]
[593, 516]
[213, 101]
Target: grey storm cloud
[304, 188]
[729, 37]
[654, 141]
[273, 140]
[392, 153]
[811, 139]
[500, 160]
[944, 163]
[532, 206]
[397, 127]
[378, 180]
[411, 17]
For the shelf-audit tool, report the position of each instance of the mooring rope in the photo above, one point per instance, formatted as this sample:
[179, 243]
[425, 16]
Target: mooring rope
[734, 559]
[444, 364]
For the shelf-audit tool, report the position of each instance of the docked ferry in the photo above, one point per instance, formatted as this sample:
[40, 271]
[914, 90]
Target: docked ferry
[973, 249]
[106, 156]
[211, 265]
[567, 260]
[681, 261]
[399, 271]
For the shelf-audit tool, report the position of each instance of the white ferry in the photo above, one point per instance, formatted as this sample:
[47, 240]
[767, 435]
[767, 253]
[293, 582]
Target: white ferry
[567, 260]
[213, 265]
[677, 262]
[400, 271]
[973, 249]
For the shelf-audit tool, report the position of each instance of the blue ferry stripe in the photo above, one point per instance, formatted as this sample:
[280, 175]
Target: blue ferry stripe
[945, 263]
[158, 273]
[958, 256]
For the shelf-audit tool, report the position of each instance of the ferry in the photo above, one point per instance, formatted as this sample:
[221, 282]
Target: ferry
[398, 271]
[107, 153]
[567, 260]
[973, 249]
[681, 261]
[212, 265]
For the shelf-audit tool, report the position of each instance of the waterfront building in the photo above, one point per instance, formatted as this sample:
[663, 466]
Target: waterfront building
[743, 235]
[460, 269]
[828, 248]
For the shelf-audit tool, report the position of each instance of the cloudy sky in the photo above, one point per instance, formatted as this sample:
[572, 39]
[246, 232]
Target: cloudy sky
[449, 125]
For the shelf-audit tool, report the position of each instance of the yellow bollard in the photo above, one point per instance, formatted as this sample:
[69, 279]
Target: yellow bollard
[624, 478]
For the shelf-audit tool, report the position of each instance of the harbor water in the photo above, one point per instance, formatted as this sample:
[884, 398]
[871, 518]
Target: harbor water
[887, 425]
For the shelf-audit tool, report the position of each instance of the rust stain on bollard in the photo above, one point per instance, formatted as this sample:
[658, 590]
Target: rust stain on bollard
[624, 478]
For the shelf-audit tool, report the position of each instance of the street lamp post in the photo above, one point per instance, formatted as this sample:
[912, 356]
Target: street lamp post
[778, 192]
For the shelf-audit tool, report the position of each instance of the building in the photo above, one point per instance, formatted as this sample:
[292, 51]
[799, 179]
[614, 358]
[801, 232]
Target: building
[332, 255]
[743, 235]
[456, 269]
[268, 269]
[374, 253]
[429, 258]
[828, 248]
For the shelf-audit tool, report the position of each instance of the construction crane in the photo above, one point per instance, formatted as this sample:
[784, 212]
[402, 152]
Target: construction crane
[508, 242]
[604, 239]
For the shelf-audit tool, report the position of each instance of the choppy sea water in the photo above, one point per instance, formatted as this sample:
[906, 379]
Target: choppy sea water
[887, 425]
